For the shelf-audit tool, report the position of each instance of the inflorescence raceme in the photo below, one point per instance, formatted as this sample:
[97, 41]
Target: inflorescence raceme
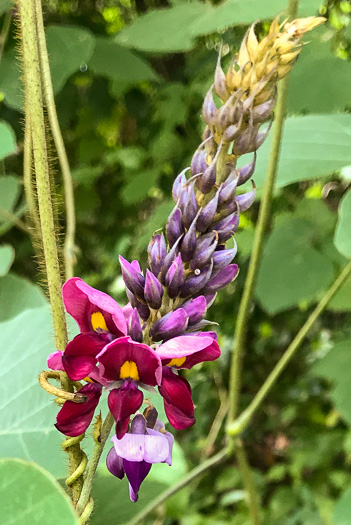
[145, 343]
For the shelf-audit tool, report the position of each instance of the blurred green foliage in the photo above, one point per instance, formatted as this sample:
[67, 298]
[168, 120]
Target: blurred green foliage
[129, 79]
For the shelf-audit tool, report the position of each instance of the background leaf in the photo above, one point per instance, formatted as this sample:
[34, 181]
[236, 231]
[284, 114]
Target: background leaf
[164, 30]
[17, 295]
[7, 255]
[292, 270]
[30, 495]
[7, 140]
[322, 143]
[27, 412]
[114, 61]
[343, 230]
[319, 82]
[342, 510]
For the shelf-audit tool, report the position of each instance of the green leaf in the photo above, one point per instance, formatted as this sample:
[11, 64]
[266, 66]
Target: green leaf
[7, 140]
[18, 294]
[30, 495]
[341, 301]
[69, 48]
[319, 83]
[313, 146]
[342, 509]
[10, 189]
[342, 239]
[138, 185]
[27, 412]
[236, 12]
[114, 61]
[164, 30]
[7, 256]
[292, 271]
[335, 367]
[112, 498]
[5, 5]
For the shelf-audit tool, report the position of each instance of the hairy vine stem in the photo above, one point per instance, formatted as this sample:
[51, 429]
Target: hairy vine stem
[36, 122]
[69, 246]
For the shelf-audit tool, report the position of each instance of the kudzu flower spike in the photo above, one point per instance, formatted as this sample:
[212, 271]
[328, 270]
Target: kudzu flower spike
[143, 345]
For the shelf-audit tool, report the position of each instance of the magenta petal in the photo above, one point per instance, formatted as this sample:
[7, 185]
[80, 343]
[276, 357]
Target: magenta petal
[123, 402]
[79, 357]
[136, 472]
[116, 353]
[114, 463]
[178, 402]
[74, 418]
[55, 360]
[196, 350]
[81, 300]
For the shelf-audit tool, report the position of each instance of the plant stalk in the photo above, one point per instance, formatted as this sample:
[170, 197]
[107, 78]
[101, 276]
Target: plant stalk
[93, 463]
[69, 246]
[244, 419]
[249, 483]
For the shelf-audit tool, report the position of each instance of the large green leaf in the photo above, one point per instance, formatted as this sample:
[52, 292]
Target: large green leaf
[27, 412]
[138, 185]
[18, 294]
[114, 61]
[292, 270]
[7, 140]
[235, 12]
[320, 81]
[342, 238]
[342, 509]
[69, 49]
[164, 30]
[7, 255]
[30, 495]
[335, 367]
[313, 146]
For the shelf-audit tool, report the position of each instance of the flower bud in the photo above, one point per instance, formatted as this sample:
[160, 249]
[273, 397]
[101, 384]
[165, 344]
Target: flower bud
[209, 109]
[245, 200]
[231, 133]
[221, 279]
[246, 141]
[157, 252]
[190, 207]
[195, 282]
[226, 228]
[171, 255]
[134, 327]
[228, 188]
[143, 310]
[206, 182]
[207, 213]
[195, 309]
[179, 185]
[133, 279]
[222, 258]
[175, 277]
[153, 291]
[174, 227]
[261, 112]
[247, 171]
[198, 162]
[170, 325]
[189, 242]
[205, 247]
[220, 83]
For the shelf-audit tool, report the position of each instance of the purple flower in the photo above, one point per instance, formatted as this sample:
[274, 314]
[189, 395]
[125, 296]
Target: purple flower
[183, 352]
[137, 450]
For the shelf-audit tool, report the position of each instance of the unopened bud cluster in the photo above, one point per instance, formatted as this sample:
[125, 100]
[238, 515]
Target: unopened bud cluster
[191, 262]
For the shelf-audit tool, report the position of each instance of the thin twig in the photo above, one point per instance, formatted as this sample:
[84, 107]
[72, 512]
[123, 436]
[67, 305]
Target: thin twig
[11, 217]
[5, 32]
[69, 247]
[249, 484]
[244, 419]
